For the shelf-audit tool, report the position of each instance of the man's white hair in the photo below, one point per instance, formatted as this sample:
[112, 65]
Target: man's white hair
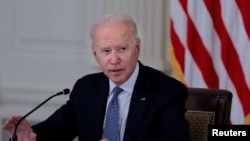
[115, 18]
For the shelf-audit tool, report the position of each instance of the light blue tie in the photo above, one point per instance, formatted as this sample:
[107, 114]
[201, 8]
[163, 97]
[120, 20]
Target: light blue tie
[111, 128]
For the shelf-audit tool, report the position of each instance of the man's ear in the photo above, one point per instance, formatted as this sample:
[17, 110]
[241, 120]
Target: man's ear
[94, 53]
[138, 44]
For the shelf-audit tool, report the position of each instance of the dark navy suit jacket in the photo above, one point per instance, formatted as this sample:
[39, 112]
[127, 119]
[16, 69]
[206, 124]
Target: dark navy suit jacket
[159, 117]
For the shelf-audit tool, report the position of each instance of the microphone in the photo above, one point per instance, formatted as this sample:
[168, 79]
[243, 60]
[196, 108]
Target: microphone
[63, 92]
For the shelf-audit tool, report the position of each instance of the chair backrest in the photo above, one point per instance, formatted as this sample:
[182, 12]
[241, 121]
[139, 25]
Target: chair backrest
[207, 107]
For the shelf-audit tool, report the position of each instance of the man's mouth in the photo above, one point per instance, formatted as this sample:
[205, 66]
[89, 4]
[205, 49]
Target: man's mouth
[116, 70]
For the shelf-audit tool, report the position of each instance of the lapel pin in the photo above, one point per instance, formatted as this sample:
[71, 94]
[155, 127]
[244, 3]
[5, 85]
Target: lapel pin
[143, 99]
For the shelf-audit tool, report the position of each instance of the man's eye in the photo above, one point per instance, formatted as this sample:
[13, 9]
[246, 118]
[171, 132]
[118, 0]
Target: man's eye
[105, 50]
[122, 48]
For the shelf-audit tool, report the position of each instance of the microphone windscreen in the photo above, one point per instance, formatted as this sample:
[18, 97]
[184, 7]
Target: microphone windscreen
[66, 91]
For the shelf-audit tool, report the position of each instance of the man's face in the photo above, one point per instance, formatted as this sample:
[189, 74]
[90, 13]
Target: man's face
[115, 51]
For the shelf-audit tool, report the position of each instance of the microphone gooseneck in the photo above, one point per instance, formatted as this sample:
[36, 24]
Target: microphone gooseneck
[63, 92]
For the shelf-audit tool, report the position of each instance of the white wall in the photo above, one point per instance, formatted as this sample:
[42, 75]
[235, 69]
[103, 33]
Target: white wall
[45, 47]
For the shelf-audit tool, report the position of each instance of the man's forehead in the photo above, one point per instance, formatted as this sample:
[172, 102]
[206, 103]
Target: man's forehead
[109, 43]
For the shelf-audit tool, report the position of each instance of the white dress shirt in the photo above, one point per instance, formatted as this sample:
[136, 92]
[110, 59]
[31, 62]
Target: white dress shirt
[124, 99]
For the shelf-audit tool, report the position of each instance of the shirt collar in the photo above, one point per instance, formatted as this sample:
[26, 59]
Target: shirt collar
[129, 84]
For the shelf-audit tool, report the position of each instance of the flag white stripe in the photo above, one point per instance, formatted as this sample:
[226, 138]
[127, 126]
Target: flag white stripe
[180, 21]
[193, 72]
[234, 24]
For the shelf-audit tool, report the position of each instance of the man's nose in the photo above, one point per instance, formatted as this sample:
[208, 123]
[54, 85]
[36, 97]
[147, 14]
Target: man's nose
[115, 57]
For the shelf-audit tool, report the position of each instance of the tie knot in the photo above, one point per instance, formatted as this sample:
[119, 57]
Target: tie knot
[117, 90]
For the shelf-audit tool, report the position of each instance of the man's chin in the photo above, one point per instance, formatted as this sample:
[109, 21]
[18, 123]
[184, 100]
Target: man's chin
[117, 80]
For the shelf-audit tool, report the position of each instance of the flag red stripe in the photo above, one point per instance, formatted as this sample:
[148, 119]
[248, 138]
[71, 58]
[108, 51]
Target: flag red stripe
[244, 6]
[229, 56]
[179, 50]
[199, 52]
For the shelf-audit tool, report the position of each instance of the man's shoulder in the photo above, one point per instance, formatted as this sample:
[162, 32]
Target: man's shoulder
[155, 73]
[158, 76]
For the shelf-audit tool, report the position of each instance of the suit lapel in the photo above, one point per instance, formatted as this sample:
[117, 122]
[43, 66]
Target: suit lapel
[138, 103]
[98, 107]
[136, 110]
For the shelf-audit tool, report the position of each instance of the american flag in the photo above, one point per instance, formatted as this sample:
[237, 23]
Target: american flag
[210, 48]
